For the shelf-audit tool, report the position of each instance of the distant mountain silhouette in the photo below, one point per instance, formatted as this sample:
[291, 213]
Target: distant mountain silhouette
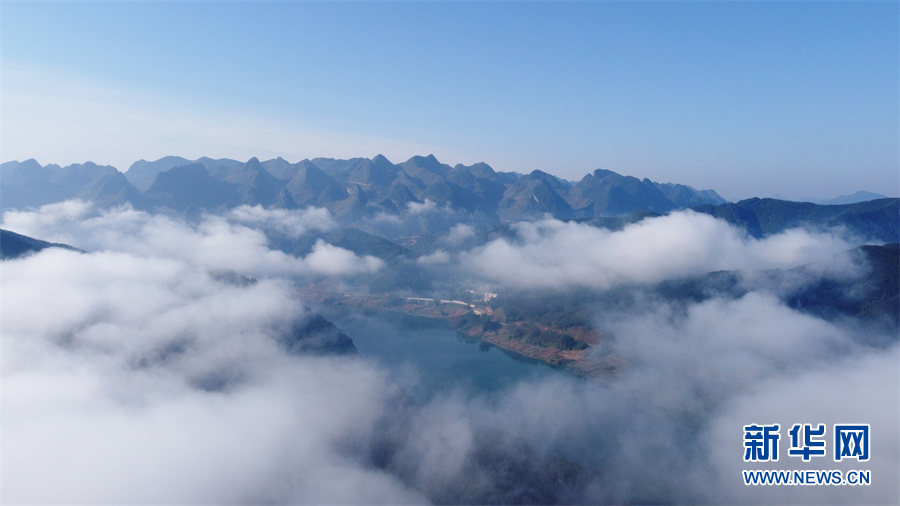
[533, 196]
[280, 168]
[309, 182]
[191, 186]
[874, 219]
[256, 186]
[685, 196]
[399, 198]
[605, 193]
[860, 196]
[28, 184]
[113, 189]
[361, 187]
[142, 173]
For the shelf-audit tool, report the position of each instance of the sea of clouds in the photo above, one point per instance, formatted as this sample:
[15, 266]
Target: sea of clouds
[137, 372]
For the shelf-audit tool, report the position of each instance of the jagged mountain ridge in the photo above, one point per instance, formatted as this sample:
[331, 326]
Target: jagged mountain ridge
[360, 187]
[28, 184]
[350, 189]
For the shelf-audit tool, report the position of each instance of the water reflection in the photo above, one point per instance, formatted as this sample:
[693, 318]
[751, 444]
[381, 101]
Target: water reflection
[441, 358]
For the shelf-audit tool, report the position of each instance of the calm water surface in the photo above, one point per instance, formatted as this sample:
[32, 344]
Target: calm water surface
[428, 350]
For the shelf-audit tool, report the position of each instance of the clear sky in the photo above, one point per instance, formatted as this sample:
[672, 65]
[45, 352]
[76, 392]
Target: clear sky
[798, 99]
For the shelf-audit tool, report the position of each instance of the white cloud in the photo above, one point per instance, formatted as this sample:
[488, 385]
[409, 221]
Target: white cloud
[132, 374]
[50, 214]
[553, 253]
[438, 257]
[293, 223]
[856, 388]
[669, 428]
[332, 260]
[215, 243]
[415, 208]
[459, 233]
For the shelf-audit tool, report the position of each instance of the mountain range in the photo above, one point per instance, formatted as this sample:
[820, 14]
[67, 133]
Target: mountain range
[874, 219]
[860, 196]
[350, 189]
[361, 188]
[873, 297]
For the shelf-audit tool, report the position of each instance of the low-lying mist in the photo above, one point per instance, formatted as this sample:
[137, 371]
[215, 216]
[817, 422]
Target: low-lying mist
[138, 372]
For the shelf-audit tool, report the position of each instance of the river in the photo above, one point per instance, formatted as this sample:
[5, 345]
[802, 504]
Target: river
[432, 354]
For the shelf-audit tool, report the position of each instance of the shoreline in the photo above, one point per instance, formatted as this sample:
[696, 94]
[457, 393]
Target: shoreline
[581, 363]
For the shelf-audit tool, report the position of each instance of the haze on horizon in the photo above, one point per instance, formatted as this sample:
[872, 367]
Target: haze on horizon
[751, 99]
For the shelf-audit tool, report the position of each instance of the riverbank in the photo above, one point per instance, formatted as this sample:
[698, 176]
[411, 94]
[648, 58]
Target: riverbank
[585, 362]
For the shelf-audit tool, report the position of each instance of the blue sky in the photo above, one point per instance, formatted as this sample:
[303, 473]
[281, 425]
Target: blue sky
[798, 99]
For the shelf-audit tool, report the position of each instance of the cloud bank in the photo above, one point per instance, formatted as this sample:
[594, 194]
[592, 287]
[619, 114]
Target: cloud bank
[669, 428]
[136, 373]
[146, 380]
[557, 254]
[236, 242]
